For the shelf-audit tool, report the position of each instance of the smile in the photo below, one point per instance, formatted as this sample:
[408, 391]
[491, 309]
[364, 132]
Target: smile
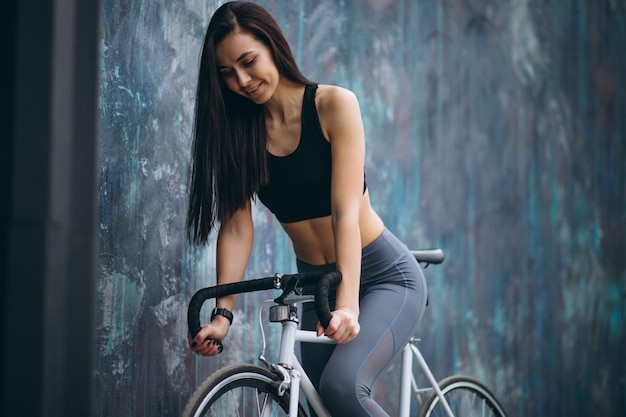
[253, 89]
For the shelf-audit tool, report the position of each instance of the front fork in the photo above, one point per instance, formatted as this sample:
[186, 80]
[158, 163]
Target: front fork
[294, 400]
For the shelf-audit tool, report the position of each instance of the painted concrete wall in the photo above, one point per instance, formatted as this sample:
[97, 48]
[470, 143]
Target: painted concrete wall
[495, 130]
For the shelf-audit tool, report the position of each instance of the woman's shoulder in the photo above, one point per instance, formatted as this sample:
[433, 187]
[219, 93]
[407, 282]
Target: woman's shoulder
[331, 99]
[334, 94]
[337, 108]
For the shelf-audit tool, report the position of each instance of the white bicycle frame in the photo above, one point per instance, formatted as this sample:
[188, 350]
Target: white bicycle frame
[296, 379]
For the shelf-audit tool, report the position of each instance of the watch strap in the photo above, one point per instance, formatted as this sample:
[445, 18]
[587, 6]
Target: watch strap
[222, 312]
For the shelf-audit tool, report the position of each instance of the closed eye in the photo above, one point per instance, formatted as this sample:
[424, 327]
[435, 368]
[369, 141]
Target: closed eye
[228, 72]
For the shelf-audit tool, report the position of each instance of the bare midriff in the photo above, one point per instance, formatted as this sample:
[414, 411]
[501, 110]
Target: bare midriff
[313, 240]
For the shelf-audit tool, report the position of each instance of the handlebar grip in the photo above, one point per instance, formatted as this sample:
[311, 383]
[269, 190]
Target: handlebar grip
[326, 281]
[193, 311]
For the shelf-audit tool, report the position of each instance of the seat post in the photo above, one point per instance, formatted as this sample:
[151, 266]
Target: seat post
[405, 381]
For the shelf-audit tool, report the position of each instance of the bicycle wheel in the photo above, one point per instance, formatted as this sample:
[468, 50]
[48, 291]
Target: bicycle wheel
[242, 391]
[466, 396]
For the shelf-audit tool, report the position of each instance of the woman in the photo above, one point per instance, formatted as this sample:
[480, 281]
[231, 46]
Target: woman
[262, 129]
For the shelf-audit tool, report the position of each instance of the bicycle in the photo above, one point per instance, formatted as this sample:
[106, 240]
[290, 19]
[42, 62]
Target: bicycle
[274, 389]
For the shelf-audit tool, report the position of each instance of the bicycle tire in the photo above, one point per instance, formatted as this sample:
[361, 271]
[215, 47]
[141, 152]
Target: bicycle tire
[466, 396]
[240, 390]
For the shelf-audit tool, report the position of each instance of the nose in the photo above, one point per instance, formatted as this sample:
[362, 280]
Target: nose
[243, 78]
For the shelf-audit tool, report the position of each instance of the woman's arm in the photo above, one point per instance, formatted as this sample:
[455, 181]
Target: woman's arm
[234, 245]
[341, 121]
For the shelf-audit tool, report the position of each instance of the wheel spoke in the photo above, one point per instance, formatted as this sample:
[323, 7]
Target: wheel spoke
[265, 404]
[235, 406]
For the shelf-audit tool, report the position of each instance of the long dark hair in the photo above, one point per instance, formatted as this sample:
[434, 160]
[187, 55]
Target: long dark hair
[228, 157]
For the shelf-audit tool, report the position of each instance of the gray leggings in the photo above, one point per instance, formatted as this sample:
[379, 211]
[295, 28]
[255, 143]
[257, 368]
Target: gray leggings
[392, 301]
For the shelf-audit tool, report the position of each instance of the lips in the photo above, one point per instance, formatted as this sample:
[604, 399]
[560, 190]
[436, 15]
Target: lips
[253, 90]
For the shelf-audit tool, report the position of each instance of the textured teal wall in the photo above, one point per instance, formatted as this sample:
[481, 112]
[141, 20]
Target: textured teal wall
[495, 130]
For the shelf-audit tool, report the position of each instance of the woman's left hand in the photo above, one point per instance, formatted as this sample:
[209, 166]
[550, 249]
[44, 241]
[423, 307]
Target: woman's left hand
[343, 327]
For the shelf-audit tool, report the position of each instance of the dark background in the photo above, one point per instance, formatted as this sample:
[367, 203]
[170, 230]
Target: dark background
[48, 260]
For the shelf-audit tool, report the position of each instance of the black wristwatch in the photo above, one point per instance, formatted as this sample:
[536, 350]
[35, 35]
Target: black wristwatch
[222, 312]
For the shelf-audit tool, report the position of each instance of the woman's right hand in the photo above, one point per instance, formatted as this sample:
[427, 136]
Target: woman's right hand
[234, 245]
[208, 341]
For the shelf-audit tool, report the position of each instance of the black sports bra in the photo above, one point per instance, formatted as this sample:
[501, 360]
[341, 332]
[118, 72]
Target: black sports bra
[299, 183]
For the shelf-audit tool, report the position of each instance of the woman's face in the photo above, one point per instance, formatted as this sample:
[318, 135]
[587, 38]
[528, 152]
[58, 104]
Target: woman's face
[247, 66]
